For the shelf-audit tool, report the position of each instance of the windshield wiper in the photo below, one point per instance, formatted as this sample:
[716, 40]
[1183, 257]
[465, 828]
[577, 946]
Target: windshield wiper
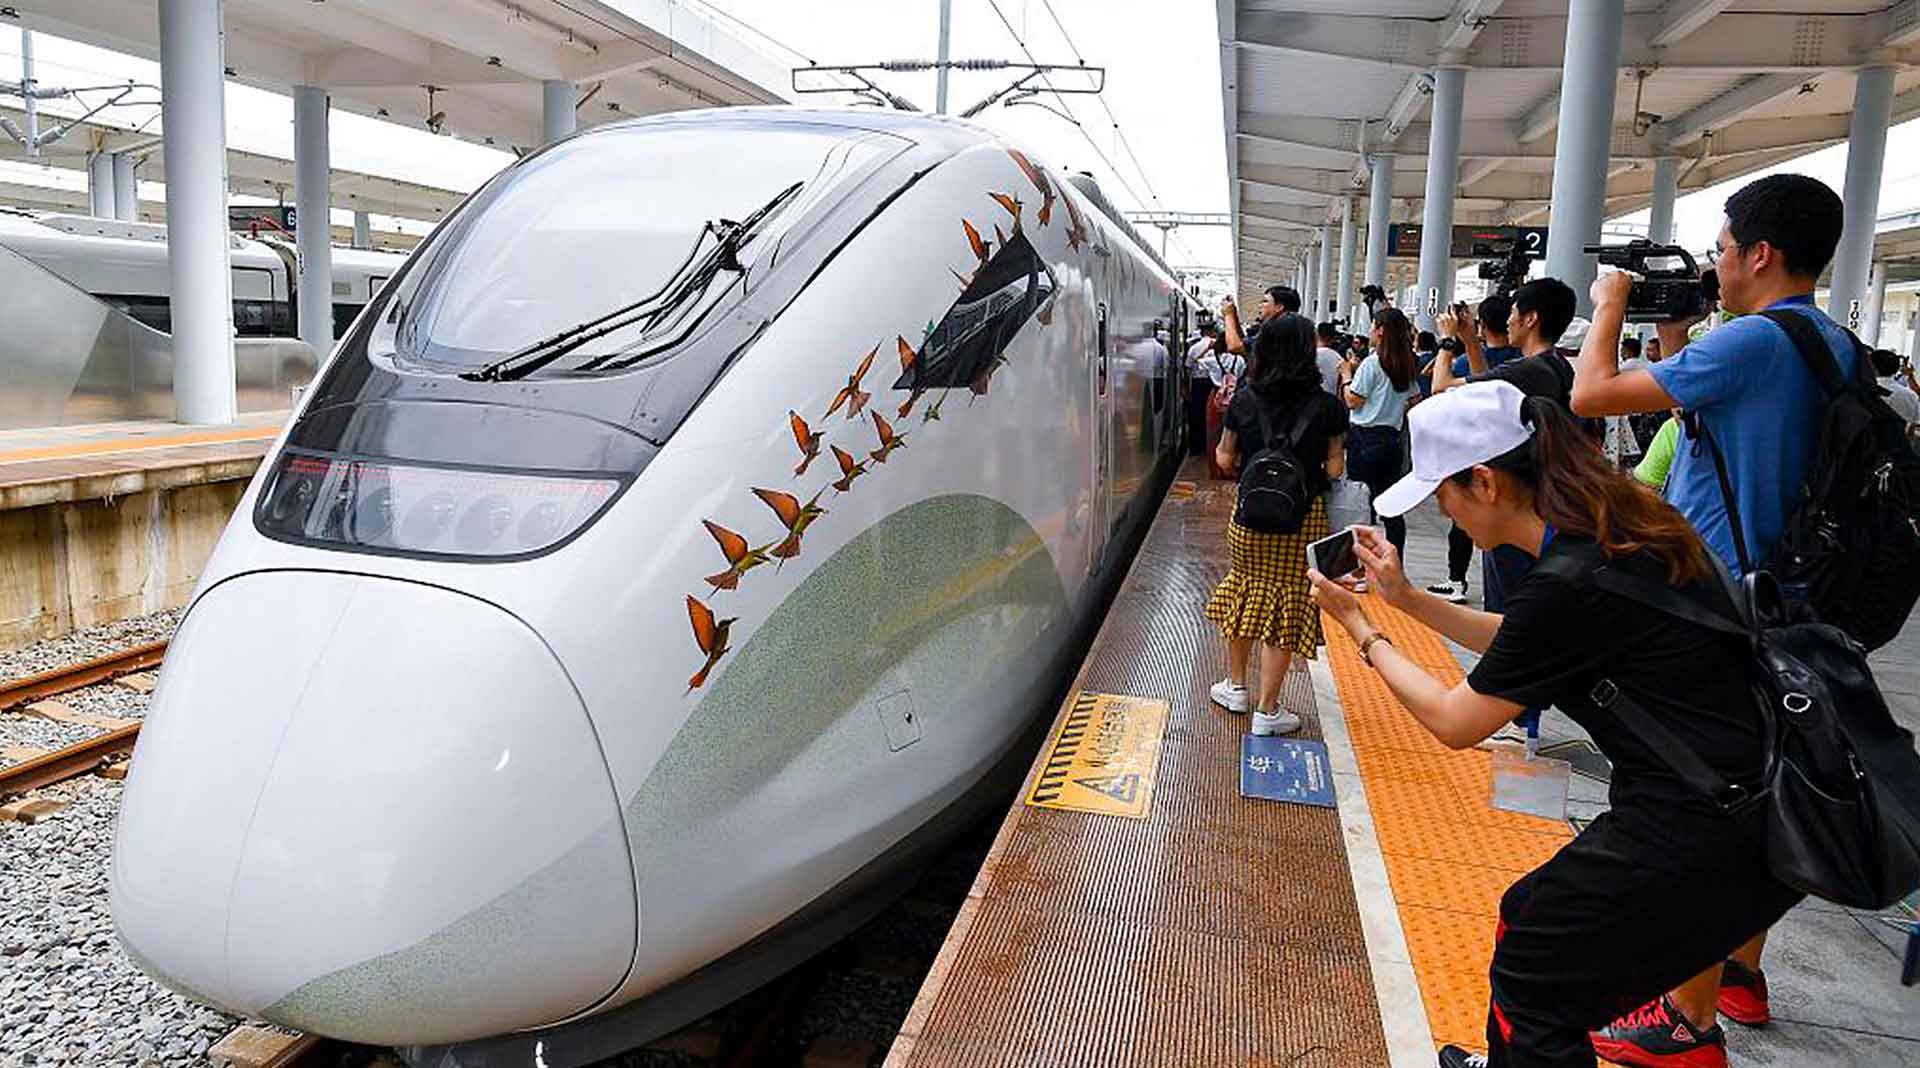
[688, 282]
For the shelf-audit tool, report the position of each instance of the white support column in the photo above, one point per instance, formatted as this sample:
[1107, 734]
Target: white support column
[100, 185]
[362, 230]
[1588, 83]
[1343, 288]
[1876, 303]
[1866, 158]
[193, 114]
[126, 192]
[558, 100]
[1666, 190]
[1443, 182]
[313, 227]
[1379, 218]
[1323, 275]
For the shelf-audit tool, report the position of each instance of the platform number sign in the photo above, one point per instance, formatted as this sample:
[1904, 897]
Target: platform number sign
[1433, 299]
[1853, 315]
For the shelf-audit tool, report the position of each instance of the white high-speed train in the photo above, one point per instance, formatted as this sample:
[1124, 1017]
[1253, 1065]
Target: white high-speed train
[125, 264]
[696, 532]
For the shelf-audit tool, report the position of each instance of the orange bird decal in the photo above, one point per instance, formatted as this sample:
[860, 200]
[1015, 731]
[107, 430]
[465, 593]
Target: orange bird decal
[740, 558]
[850, 394]
[1076, 226]
[981, 251]
[907, 363]
[889, 440]
[805, 437]
[980, 381]
[795, 516]
[1011, 203]
[711, 636]
[1040, 182]
[848, 469]
[1045, 314]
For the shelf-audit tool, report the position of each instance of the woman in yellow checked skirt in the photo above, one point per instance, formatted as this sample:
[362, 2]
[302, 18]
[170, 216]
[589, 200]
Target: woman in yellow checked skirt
[1263, 597]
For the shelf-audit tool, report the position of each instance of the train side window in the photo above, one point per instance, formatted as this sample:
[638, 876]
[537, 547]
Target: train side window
[998, 300]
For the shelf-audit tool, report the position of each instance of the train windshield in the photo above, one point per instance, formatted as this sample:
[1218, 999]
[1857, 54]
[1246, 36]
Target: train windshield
[606, 221]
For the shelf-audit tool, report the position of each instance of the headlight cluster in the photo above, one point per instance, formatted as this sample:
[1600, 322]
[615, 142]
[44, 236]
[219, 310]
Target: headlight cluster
[429, 511]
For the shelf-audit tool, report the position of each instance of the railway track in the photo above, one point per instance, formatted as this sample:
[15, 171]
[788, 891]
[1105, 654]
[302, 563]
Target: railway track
[92, 753]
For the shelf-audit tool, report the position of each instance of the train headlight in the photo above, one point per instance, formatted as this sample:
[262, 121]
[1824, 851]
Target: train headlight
[415, 510]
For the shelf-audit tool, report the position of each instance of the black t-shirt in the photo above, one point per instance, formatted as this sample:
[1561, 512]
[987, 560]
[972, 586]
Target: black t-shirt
[1283, 408]
[1547, 374]
[1559, 638]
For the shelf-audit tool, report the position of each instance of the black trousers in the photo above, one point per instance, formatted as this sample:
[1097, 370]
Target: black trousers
[1373, 457]
[1635, 905]
[1199, 392]
[1459, 553]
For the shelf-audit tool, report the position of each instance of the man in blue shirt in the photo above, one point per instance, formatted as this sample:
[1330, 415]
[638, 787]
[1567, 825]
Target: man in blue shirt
[1750, 389]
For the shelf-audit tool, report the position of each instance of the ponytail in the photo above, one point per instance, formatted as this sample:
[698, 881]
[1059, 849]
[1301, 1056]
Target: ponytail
[1580, 493]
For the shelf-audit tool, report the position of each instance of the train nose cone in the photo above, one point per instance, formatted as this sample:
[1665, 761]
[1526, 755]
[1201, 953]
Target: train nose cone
[374, 810]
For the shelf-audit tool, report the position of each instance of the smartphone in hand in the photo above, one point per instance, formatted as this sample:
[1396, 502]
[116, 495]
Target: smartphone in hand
[1333, 556]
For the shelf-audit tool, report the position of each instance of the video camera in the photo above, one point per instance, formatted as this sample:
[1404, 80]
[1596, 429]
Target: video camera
[1670, 286]
[1509, 272]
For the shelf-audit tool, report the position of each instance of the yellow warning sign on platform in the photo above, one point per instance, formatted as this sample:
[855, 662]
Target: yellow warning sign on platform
[1104, 756]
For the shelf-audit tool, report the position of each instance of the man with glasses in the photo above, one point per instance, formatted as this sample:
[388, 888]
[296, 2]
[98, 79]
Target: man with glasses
[1748, 386]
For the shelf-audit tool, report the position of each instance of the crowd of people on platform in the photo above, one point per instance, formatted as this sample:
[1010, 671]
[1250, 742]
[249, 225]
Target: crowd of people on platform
[1557, 446]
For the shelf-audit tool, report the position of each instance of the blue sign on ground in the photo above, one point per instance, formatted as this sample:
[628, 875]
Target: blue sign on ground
[1282, 769]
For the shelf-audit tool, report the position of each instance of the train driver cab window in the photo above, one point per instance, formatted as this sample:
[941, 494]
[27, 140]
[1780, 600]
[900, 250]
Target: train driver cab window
[1002, 295]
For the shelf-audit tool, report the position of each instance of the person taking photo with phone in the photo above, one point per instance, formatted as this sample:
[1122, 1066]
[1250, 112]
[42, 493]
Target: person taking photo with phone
[1378, 391]
[1666, 882]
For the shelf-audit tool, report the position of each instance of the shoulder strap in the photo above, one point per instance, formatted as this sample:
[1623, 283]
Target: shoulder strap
[1608, 696]
[1813, 349]
[1588, 564]
[1303, 419]
[1697, 427]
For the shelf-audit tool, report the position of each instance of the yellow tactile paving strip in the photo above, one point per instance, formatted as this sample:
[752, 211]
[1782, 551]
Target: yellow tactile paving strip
[1449, 854]
[136, 443]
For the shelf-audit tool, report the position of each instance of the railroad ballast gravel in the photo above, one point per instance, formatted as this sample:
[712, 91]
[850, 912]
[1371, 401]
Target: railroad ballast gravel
[50, 654]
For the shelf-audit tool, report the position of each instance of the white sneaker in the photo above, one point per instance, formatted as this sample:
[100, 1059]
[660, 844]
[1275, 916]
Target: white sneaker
[1229, 696]
[1456, 592]
[1278, 721]
[1360, 586]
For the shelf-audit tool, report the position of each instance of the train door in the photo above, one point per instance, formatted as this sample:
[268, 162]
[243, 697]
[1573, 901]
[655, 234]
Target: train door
[1100, 513]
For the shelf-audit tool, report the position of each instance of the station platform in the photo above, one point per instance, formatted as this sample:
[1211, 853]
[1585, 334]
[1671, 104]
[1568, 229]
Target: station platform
[1215, 929]
[106, 521]
[101, 459]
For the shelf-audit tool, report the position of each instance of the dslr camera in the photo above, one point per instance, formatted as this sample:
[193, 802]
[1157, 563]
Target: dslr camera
[1670, 286]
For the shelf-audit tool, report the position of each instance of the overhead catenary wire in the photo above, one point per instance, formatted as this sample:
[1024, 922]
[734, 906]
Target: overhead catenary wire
[1074, 118]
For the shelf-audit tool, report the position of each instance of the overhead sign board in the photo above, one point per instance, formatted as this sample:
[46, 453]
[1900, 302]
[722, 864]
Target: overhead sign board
[250, 218]
[1470, 242]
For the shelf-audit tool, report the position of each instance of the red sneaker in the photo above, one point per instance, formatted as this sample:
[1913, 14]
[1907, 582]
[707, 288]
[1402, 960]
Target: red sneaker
[1743, 994]
[1657, 1035]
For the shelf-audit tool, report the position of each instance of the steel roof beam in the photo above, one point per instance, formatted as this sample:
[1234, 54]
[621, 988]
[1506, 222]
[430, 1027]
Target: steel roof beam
[1747, 42]
[1747, 95]
[1681, 17]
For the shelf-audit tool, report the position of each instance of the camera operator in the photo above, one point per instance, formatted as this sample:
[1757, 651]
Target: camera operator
[1484, 344]
[1748, 385]
[1663, 883]
[1201, 383]
[1277, 301]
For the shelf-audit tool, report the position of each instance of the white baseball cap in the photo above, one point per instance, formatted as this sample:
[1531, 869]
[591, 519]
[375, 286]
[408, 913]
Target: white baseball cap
[1453, 431]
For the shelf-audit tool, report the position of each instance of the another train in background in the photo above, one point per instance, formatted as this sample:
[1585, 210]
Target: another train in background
[125, 264]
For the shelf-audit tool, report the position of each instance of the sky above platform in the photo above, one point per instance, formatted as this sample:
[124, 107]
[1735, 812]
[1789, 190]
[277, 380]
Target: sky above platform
[1163, 90]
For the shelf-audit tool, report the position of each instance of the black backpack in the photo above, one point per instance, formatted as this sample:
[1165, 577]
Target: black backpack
[1851, 548]
[1274, 494]
[1840, 781]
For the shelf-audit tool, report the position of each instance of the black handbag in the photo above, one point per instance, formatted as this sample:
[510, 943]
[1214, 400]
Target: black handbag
[1840, 779]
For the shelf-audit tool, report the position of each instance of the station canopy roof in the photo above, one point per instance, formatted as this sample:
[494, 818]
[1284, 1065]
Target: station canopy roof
[483, 59]
[251, 173]
[1310, 88]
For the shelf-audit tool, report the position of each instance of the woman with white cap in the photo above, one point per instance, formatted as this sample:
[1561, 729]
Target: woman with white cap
[1668, 881]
